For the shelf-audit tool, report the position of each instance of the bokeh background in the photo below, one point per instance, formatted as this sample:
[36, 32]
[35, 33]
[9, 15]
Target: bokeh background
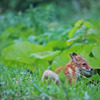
[64, 11]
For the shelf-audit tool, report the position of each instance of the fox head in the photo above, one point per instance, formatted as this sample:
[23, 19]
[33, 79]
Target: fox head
[80, 62]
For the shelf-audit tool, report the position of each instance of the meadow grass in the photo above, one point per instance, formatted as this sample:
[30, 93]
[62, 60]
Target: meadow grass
[21, 84]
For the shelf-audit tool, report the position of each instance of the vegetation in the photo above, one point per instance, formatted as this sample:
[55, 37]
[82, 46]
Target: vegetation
[41, 38]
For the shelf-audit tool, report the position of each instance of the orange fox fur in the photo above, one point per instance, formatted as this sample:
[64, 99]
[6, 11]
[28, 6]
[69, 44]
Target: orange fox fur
[71, 70]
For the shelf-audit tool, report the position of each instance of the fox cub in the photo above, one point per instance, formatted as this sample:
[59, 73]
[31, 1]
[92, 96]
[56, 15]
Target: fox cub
[71, 70]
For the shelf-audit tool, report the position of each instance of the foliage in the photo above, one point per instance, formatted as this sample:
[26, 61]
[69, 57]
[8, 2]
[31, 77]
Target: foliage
[20, 50]
[37, 40]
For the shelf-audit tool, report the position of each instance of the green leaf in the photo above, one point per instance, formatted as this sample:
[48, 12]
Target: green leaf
[19, 31]
[72, 40]
[89, 25]
[77, 25]
[57, 44]
[95, 77]
[19, 53]
[44, 55]
[96, 52]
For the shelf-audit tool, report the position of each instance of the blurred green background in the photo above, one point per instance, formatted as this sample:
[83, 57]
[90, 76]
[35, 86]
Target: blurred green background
[63, 8]
[36, 11]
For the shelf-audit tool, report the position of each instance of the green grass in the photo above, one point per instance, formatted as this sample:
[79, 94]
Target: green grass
[19, 84]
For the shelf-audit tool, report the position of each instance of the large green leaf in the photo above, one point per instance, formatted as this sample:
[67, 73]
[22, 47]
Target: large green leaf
[19, 53]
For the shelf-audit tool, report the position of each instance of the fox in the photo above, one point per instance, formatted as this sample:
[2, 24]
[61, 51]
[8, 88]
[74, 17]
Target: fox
[71, 70]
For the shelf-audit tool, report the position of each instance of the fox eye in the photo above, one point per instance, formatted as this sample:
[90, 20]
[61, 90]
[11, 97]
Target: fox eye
[84, 64]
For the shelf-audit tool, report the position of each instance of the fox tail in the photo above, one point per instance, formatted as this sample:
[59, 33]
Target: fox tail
[50, 74]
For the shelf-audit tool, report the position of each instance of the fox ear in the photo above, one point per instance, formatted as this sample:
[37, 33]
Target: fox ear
[74, 54]
[73, 57]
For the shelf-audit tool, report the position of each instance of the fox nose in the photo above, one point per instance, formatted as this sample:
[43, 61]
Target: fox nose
[91, 69]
